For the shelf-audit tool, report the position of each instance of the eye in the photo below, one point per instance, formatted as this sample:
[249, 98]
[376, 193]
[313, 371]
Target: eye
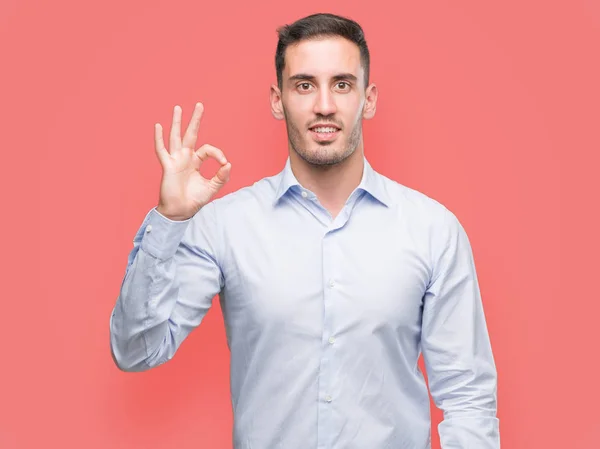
[307, 85]
[345, 84]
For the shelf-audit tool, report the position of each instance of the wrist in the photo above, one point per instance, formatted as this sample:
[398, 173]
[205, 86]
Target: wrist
[171, 217]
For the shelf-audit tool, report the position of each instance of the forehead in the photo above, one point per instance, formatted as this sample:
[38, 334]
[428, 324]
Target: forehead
[323, 57]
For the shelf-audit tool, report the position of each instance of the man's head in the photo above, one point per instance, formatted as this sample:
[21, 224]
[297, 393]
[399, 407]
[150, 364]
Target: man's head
[322, 64]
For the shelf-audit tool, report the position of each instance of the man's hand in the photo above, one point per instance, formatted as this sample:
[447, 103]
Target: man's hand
[183, 190]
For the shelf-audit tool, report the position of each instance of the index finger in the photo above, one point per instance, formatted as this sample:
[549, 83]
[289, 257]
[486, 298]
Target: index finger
[207, 150]
[159, 144]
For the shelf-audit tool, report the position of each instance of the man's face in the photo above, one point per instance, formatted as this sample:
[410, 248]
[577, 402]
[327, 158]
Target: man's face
[323, 99]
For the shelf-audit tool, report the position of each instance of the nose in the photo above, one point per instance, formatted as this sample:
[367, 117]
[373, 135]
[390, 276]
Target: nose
[325, 103]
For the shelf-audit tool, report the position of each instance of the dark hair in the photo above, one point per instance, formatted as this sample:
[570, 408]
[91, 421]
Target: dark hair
[317, 26]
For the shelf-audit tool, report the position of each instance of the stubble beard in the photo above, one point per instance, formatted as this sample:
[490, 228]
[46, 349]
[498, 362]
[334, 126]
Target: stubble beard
[326, 153]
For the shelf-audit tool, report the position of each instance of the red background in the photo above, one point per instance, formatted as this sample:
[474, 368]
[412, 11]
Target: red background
[492, 108]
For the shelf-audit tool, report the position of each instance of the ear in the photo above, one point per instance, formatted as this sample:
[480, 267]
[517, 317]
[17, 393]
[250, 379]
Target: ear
[370, 102]
[276, 103]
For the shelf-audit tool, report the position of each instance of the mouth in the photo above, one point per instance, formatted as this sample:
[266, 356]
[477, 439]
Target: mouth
[324, 133]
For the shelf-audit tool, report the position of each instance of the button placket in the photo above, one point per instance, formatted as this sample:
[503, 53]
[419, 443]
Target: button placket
[327, 354]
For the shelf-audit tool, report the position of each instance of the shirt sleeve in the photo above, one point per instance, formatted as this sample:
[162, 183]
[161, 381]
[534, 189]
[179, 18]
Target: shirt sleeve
[171, 278]
[456, 347]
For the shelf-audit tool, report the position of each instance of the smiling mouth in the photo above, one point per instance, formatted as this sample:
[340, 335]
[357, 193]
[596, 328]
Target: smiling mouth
[322, 129]
[324, 135]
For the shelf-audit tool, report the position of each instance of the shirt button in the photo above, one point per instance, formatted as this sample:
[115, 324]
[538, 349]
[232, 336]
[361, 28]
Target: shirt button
[148, 228]
[304, 194]
[331, 283]
[328, 398]
[332, 340]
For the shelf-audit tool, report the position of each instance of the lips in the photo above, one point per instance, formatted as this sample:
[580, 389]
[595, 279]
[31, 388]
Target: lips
[324, 137]
[324, 125]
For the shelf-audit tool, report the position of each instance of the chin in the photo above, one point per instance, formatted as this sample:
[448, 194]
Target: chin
[324, 155]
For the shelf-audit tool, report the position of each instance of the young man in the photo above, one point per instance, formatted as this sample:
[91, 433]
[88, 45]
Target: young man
[332, 278]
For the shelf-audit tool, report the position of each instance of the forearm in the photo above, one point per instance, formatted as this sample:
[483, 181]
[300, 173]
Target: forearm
[469, 402]
[139, 331]
[139, 324]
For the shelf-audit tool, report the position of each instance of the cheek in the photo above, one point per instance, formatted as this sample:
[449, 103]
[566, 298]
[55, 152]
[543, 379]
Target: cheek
[298, 113]
[301, 105]
[350, 109]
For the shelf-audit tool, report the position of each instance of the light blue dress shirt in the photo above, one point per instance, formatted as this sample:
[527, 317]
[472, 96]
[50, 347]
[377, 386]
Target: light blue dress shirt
[325, 318]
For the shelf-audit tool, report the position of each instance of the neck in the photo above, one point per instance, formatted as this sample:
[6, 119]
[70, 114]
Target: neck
[332, 184]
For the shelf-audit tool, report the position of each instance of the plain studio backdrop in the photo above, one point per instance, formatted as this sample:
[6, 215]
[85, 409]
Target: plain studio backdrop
[491, 108]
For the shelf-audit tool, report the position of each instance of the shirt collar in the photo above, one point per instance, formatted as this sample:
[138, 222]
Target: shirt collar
[371, 183]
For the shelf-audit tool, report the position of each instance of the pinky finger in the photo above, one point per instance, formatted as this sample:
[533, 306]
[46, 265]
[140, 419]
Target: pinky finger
[159, 144]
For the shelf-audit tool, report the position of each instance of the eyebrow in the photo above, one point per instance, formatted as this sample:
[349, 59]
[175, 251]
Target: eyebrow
[307, 77]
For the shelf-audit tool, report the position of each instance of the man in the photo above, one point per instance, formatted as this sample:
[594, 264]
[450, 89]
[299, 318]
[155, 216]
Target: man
[332, 278]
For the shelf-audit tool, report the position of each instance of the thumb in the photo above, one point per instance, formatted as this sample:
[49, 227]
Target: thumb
[222, 175]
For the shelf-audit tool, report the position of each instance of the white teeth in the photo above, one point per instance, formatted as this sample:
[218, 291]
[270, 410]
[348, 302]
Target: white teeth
[325, 130]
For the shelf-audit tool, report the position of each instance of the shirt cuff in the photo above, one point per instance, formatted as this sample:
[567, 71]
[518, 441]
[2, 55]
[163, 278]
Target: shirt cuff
[162, 235]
